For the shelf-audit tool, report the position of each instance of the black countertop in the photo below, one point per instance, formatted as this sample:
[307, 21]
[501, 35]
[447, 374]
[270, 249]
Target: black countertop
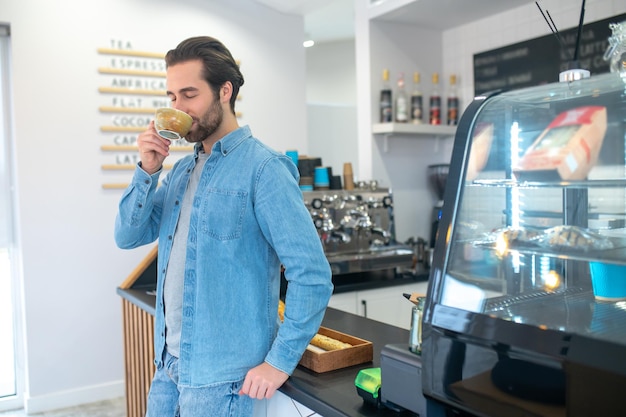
[333, 394]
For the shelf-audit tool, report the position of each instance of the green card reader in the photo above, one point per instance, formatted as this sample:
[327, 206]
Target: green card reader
[367, 384]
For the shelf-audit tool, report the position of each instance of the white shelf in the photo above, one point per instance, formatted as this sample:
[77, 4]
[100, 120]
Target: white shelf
[413, 129]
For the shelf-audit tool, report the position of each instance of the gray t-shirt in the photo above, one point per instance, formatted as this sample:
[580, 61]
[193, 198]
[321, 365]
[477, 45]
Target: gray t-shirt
[175, 274]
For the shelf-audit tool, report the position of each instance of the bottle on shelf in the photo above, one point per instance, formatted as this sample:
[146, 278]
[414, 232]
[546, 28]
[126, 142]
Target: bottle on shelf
[453, 102]
[386, 112]
[435, 101]
[402, 102]
[417, 101]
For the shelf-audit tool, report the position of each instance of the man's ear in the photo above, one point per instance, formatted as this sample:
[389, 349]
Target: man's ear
[226, 91]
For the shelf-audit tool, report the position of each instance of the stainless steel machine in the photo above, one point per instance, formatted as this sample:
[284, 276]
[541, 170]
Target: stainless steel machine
[356, 228]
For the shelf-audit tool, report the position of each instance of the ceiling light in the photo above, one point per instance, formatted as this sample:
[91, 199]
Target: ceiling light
[308, 43]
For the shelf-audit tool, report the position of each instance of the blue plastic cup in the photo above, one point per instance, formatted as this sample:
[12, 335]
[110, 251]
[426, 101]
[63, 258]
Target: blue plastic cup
[320, 179]
[608, 281]
[293, 154]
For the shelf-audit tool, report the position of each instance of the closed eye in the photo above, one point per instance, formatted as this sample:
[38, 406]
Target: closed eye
[187, 93]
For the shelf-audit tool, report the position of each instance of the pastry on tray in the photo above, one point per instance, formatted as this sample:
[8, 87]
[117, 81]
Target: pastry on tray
[573, 237]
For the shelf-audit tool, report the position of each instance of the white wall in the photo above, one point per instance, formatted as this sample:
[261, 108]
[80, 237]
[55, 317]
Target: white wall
[71, 266]
[332, 135]
[330, 73]
[400, 161]
[331, 104]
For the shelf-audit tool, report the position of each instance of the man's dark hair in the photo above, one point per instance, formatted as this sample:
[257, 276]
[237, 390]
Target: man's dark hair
[219, 64]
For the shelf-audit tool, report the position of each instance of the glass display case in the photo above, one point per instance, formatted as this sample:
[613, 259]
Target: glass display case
[526, 311]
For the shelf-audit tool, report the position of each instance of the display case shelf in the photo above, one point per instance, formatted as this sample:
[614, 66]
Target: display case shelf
[603, 183]
[615, 255]
[556, 308]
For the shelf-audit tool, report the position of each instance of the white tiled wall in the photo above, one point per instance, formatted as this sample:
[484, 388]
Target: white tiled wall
[517, 25]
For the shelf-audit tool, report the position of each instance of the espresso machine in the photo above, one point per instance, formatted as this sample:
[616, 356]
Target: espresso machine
[356, 228]
[437, 175]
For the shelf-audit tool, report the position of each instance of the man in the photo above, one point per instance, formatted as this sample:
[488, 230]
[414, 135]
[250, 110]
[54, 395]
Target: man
[226, 218]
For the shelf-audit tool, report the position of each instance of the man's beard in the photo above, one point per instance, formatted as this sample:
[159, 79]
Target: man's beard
[207, 124]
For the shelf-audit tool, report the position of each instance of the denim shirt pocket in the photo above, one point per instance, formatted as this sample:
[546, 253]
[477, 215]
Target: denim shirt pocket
[222, 213]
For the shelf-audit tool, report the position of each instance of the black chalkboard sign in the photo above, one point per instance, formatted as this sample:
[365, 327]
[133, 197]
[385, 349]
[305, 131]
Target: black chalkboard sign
[540, 60]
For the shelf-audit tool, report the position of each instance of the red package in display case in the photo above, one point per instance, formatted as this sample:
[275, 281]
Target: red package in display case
[568, 148]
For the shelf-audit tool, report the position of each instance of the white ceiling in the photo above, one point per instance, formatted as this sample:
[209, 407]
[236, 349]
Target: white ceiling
[446, 14]
[329, 20]
[324, 20]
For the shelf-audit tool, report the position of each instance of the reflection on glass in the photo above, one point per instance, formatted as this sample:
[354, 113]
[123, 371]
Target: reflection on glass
[463, 295]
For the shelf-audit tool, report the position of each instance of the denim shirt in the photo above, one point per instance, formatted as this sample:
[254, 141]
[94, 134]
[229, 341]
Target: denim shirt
[248, 218]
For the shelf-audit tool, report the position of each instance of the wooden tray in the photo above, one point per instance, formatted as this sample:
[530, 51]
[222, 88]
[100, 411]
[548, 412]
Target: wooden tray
[361, 351]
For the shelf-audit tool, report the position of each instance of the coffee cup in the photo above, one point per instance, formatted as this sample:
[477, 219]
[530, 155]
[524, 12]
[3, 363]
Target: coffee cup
[172, 123]
[608, 281]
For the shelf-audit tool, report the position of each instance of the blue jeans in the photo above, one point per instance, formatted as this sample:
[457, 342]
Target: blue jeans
[167, 399]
